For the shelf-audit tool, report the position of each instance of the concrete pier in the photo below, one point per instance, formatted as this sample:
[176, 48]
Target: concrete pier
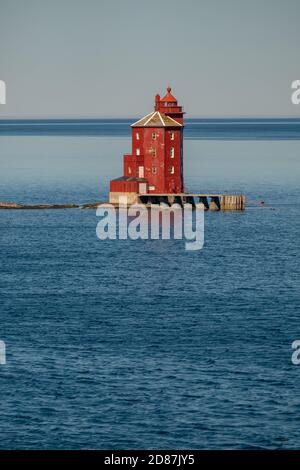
[233, 202]
[213, 202]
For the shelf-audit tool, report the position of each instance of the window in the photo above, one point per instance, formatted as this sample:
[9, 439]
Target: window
[153, 135]
[172, 170]
[172, 152]
[129, 170]
[153, 151]
[154, 170]
[137, 136]
[138, 151]
[172, 135]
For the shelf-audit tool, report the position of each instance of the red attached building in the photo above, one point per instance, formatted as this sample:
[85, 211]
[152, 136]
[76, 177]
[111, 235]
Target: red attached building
[155, 165]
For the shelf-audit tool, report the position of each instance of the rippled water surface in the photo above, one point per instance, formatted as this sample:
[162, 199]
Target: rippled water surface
[141, 344]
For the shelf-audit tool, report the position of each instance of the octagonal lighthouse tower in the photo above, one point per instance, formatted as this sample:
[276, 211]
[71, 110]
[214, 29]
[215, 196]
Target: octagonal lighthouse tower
[155, 165]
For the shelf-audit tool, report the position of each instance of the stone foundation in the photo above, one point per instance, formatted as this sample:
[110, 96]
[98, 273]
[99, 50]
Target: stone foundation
[132, 198]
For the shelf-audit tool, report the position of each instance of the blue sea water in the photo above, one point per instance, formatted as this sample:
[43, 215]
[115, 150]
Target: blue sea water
[142, 344]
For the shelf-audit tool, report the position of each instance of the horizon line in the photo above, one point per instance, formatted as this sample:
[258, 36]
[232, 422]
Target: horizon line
[44, 118]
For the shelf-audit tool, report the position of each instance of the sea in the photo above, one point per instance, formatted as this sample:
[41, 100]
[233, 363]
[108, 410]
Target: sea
[141, 344]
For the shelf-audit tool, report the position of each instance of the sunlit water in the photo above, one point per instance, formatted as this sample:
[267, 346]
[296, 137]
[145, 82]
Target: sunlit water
[141, 344]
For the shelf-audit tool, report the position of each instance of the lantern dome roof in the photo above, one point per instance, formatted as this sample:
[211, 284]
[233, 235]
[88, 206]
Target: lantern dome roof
[169, 98]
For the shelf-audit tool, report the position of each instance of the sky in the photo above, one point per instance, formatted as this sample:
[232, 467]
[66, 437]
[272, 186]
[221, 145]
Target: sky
[108, 58]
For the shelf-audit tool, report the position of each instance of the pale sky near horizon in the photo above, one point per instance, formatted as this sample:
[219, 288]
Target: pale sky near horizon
[108, 58]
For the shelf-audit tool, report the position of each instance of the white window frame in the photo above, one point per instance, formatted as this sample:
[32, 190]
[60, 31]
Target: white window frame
[137, 135]
[172, 152]
[138, 152]
[172, 170]
[172, 134]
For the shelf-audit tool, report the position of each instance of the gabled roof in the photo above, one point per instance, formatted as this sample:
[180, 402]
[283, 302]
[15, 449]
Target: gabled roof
[130, 178]
[156, 119]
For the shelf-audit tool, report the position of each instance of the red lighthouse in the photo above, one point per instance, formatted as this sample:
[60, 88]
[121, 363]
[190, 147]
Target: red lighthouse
[155, 165]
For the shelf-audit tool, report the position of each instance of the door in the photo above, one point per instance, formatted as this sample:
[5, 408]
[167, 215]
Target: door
[142, 188]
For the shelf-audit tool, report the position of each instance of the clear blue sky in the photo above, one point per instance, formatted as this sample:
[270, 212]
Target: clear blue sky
[102, 58]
